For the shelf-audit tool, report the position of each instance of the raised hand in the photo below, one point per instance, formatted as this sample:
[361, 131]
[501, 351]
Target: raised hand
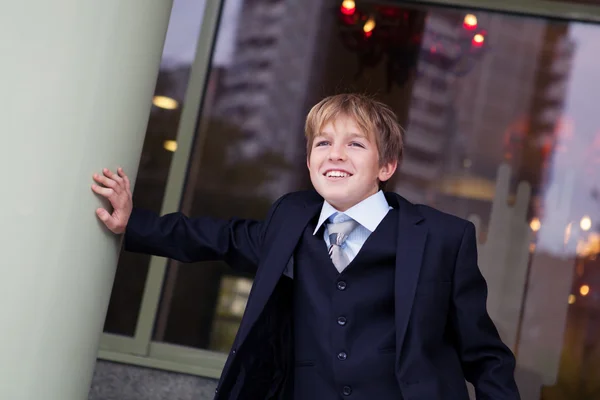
[116, 188]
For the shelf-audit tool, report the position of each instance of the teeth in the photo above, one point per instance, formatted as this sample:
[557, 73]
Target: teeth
[337, 174]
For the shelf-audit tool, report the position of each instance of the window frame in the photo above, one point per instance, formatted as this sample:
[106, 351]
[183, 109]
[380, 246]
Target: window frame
[555, 9]
[140, 349]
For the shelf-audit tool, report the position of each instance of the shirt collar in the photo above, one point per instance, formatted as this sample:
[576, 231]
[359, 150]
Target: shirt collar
[369, 212]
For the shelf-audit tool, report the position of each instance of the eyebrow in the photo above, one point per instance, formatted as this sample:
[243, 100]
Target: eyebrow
[352, 135]
[359, 135]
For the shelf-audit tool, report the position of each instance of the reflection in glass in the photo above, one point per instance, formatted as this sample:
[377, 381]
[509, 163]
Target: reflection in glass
[501, 128]
[233, 296]
[157, 152]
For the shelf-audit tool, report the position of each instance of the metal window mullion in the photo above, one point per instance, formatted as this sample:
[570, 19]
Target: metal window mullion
[539, 8]
[113, 342]
[178, 170]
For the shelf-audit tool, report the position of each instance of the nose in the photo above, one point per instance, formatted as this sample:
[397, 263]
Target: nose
[337, 152]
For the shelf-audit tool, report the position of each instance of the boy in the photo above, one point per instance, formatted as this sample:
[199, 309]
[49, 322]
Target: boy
[358, 294]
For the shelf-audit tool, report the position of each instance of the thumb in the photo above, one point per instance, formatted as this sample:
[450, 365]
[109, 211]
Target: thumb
[105, 217]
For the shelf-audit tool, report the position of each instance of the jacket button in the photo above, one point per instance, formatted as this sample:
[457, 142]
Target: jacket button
[233, 351]
[342, 321]
[342, 355]
[346, 390]
[341, 285]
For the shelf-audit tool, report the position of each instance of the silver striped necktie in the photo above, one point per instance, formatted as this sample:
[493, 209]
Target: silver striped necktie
[338, 233]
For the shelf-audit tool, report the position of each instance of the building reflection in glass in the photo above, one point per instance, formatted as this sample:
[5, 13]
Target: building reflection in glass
[524, 104]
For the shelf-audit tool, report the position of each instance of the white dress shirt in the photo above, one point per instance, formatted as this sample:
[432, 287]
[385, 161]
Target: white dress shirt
[368, 213]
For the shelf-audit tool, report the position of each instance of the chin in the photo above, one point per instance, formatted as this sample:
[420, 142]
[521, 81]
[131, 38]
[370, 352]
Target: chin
[335, 195]
[337, 198]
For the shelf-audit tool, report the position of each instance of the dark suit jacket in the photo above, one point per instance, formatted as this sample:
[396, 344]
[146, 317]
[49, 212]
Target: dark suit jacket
[443, 331]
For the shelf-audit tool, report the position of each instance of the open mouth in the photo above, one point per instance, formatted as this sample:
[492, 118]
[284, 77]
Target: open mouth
[337, 174]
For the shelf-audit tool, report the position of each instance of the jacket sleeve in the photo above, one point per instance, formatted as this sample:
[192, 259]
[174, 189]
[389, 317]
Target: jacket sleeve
[487, 362]
[235, 241]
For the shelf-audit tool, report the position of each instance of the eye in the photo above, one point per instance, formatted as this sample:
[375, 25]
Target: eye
[321, 143]
[357, 144]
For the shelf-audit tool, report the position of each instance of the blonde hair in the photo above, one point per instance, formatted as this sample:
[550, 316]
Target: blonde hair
[375, 119]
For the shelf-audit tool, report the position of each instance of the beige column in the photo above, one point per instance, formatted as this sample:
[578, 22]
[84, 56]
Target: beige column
[76, 80]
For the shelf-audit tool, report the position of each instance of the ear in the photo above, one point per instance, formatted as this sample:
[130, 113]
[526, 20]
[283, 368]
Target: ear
[387, 170]
[308, 162]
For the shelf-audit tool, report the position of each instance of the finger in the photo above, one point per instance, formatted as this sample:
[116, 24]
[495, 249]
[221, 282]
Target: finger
[106, 218]
[107, 172]
[102, 191]
[105, 181]
[125, 178]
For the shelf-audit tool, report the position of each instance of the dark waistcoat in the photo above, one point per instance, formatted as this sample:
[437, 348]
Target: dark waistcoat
[344, 330]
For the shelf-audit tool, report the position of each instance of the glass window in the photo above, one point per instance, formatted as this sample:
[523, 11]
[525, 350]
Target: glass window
[502, 128]
[158, 148]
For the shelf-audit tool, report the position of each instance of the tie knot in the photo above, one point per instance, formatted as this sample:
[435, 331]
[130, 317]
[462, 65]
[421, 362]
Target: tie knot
[339, 231]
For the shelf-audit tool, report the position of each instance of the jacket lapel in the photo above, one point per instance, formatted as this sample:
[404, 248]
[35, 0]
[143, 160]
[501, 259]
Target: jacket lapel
[412, 237]
[289, 227]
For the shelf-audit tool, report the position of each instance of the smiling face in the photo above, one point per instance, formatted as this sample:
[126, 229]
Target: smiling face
[344, 163]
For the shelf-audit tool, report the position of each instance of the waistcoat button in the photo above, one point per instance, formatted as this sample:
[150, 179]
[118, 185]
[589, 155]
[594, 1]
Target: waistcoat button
[347, 391]
[341, 285]
[342, 355]
[342, 321]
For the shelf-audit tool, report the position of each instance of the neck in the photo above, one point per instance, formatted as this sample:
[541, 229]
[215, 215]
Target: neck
[343, 207]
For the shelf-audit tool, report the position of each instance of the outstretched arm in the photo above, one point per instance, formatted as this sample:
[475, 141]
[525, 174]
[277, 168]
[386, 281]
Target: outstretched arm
[236, 241]
[487, 362]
